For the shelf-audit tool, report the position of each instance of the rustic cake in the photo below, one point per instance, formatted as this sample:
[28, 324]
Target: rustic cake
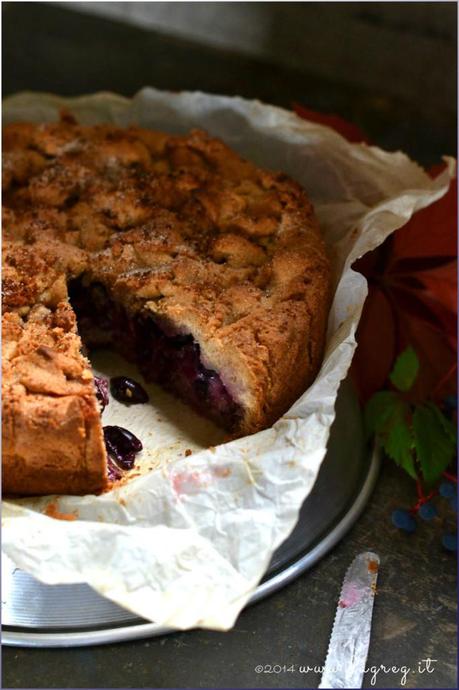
[208, 272]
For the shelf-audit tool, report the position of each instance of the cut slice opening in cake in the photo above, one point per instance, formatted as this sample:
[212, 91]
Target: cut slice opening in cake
[171, 360]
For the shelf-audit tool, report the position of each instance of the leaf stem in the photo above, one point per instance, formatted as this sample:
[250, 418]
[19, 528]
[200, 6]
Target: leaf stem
[450, 477]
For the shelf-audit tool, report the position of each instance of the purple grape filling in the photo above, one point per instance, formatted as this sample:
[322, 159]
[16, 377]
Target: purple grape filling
[171, 360]
[101, 391]
[127, 390]
[122, 446]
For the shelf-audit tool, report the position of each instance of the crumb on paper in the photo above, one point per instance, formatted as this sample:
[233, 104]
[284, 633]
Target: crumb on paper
[188, 452]
[53, 511]
[221, 472]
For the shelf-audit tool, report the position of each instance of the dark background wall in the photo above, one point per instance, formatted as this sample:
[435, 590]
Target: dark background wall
[389, 67]
[409, 48]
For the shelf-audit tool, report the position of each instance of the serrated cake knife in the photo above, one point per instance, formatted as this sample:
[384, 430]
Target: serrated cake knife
[350, 638]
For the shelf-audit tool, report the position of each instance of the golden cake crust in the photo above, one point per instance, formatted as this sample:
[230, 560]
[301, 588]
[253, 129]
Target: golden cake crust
[179, 227]
[52, 439]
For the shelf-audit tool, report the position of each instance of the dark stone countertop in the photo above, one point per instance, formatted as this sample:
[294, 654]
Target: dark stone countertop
[49, 48]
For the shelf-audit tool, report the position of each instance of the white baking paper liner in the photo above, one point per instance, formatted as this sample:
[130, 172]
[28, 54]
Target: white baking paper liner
[186, 541]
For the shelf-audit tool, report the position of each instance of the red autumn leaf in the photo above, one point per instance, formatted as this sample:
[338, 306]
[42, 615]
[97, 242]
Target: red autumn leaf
[442, 281]
[372, 363]
[348, 130]
[416, 273]
[430, 232]
[412, 280]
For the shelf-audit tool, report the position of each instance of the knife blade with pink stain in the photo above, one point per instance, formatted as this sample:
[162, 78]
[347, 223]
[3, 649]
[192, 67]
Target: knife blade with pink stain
[350, 638]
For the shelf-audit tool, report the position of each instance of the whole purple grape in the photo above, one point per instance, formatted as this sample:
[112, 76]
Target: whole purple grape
[428, 511]
[449, 541]
[122, 446]
[127, 390]
[403, 520]
[448, 490]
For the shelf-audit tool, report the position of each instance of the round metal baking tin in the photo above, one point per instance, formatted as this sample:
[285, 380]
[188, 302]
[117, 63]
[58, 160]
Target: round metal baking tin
[39, 615]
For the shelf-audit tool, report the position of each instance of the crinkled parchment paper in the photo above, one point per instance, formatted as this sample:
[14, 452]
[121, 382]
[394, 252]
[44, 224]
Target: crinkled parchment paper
[186, 541]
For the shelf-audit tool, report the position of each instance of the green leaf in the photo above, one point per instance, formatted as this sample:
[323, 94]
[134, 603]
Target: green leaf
[447, 424]
[379, 410]
[399, 446]
[435, 441]
[386, 415]
[405, 370]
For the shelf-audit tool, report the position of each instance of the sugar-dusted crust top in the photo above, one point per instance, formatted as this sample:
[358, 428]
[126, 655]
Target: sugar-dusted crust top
[180, 227]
